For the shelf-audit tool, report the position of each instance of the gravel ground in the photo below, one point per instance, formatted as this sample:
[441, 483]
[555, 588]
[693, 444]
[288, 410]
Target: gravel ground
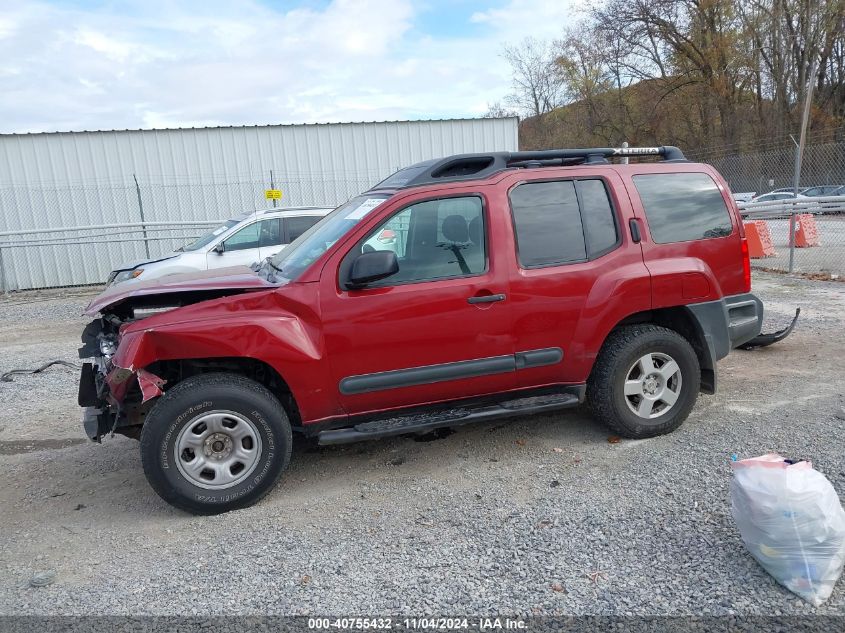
[537, 515]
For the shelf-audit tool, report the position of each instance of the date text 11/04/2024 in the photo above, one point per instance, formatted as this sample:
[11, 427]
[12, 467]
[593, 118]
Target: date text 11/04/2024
[432, 624]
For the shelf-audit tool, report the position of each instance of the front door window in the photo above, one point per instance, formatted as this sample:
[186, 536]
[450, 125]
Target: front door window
[435, 239]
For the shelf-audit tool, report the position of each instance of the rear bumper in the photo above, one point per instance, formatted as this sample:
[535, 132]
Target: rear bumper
[728, 322]
[745, 318]
[722, 326]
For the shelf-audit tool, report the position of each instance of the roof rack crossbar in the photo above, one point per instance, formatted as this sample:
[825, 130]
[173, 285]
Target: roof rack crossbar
[473, 166]
[666, 152]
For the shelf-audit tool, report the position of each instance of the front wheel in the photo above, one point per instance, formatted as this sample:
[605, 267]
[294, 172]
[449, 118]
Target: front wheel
[645, 381]
[214, 443]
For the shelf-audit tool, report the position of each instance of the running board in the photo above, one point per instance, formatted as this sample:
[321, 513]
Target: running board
[425, 422]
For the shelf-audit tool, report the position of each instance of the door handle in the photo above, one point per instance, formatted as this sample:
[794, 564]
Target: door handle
[635, 230]
[486, 298]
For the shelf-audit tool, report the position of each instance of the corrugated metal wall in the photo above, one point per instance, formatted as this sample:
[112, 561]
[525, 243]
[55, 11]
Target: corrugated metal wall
[49, 181]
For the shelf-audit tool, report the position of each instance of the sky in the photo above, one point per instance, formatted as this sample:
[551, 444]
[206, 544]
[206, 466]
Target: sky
[91, 65]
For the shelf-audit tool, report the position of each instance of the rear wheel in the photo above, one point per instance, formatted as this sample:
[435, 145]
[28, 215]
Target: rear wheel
[645, 381]
[214, 443]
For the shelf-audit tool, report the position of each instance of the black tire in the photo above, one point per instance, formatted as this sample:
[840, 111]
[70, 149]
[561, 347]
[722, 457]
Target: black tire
[206, 395]
[606, 396]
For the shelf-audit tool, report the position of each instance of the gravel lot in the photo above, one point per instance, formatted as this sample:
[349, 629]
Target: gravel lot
[491, 519]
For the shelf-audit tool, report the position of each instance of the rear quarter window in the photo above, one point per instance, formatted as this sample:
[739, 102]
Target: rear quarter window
[680, 207]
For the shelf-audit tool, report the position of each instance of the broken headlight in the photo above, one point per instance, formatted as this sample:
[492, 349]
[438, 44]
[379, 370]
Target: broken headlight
[108, 346]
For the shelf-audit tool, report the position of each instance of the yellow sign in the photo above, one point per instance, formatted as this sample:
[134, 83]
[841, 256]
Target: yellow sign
[273, 194]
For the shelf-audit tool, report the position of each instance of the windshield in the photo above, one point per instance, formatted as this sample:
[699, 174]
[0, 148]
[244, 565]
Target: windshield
[308, 247]
[206, 239]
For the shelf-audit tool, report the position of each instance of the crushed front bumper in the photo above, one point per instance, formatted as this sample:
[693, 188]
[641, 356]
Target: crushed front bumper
[107, 393]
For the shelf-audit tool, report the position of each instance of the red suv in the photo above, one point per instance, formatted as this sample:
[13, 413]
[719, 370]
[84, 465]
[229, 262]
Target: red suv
[460, 289]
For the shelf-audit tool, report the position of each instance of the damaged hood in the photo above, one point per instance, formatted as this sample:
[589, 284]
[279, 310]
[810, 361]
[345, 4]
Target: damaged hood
[201, 285]
[143, 262]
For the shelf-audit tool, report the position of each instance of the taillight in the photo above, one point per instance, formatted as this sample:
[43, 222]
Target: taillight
[746, 265]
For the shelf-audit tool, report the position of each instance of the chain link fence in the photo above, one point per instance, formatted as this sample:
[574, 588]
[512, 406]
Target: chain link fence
[59, 235]
[770, 166]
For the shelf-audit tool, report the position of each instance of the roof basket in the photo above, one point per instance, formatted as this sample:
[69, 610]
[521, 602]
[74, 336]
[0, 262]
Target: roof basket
[474, 166]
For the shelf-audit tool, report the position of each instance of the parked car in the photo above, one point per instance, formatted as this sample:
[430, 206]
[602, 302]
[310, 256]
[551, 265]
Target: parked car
[787, 190]
[823, 190]
[243, 240]
[773, 196]
[744, 196]
[466, 288]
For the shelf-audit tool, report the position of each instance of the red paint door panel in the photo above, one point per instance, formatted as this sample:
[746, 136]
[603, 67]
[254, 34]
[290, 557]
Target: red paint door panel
[427, 334]
[574, 305]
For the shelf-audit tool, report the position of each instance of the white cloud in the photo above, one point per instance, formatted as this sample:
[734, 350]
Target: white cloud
[225, 62]
[6, 27]
[113, 49]
[543, 19]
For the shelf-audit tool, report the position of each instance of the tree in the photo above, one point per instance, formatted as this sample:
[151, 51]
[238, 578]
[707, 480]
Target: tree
[536, 83]
[497, 111]
[686, 72]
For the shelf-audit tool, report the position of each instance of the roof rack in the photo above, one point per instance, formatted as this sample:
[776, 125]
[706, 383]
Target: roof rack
[475, 166]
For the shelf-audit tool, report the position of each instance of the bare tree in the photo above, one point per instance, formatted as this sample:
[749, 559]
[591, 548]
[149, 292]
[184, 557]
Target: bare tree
[689, 72]
[498, 111]
[536, 82]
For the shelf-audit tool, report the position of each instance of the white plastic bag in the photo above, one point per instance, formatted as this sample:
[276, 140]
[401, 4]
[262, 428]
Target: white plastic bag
[792, 522]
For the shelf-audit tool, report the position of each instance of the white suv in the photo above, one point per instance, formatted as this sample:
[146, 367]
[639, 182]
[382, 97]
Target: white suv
[243, 240]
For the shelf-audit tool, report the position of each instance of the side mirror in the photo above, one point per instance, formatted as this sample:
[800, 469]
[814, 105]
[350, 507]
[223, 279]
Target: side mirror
[219, 249]
[370, 267]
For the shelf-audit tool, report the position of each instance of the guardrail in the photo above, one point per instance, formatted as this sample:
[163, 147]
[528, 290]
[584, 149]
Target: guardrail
[777, 209]
[794, 209]
[11, 242]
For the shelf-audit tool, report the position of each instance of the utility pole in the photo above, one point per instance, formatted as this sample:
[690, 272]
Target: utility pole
[141, 212]
[799, 155]
[3, 289]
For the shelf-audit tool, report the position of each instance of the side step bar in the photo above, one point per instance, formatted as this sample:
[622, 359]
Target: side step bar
[424, 422]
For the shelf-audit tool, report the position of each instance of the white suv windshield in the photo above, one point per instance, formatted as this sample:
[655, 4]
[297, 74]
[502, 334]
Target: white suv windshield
[308, 247]
[206, 239]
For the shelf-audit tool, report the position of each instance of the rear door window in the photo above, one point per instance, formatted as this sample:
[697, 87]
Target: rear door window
[562, 222]
[680, 207]
[296, 226]
[271, 232]
[597, 215]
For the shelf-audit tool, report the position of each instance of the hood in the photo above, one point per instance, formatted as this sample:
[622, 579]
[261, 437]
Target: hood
[178, 290]
[143, 262]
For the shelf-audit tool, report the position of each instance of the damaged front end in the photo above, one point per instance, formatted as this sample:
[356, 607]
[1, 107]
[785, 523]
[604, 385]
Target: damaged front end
[118, 386]
[113, 402]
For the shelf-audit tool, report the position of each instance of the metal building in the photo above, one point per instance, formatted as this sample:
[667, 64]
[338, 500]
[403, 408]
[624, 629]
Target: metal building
[73, 204]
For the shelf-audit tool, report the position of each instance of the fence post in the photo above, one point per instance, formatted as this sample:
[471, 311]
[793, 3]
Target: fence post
[799, 154]
[272, 186]
[141, 212]
[3, 288]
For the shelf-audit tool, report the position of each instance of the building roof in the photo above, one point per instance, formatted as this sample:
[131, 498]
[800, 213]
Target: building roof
[264, 125]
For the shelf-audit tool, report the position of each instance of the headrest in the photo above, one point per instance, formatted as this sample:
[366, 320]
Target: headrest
[475, 232]
[455, 229]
